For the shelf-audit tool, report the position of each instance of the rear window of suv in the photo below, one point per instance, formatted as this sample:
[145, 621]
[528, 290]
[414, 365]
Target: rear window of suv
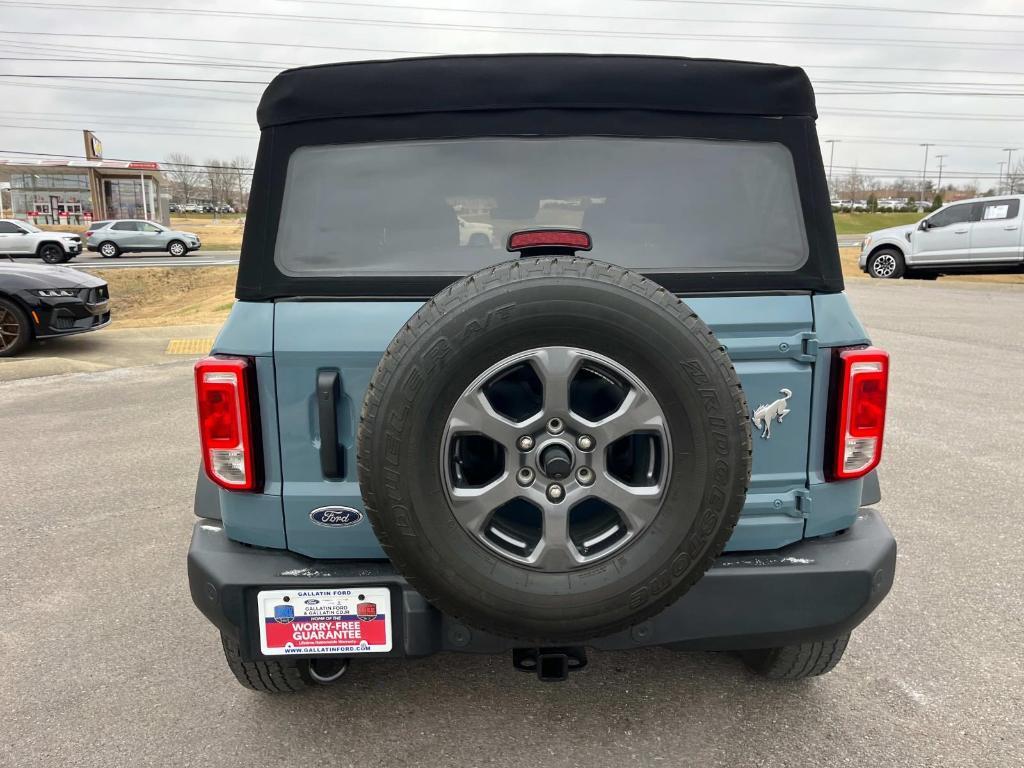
[447, 207]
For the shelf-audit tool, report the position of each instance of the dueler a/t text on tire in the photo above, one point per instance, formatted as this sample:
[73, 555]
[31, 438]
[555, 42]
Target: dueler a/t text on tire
[639, 338]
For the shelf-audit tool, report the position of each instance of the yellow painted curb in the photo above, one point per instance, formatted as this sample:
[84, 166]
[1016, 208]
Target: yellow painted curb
[188, 346]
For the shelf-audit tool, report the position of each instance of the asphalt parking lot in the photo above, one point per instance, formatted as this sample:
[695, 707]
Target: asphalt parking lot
[108, 663]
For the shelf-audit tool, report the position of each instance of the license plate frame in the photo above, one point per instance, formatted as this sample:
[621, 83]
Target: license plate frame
[325, 621]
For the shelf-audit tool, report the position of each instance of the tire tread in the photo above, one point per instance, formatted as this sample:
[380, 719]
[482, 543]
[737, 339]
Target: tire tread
[263, 676]
[797, 662]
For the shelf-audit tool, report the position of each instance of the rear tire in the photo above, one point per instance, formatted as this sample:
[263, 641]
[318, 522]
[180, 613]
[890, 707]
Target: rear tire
[52, 253]
[887, 264]
[109, 250]
[177, 248]
[15, 331]
[286, 675]
[796, 662]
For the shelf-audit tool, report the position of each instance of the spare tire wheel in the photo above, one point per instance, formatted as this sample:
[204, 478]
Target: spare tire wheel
[553, 449]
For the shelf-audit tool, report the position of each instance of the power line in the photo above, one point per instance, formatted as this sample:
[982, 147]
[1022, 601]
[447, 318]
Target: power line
[154, 129]
[908, 115]
[280, 17]
[838, 6]
[124, 91]
[120, 118]
[879, 140]
[927, 88]
[41, 47]
[392, 51]
[134, 132]
[139, 77]
[147, 62]
[655, 19]
[149, 78]
[207, 40]
[55, 155]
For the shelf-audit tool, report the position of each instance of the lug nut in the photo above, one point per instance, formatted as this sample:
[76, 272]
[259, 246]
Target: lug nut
[524, 476]
[555, 492]
[585, 442]
[555, 426]
[525, 443]
[585, 475]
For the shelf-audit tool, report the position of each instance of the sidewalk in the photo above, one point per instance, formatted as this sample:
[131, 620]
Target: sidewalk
[110, 348]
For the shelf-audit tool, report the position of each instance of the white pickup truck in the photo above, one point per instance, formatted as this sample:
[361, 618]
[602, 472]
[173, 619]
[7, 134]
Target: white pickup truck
[19, 238]
[980, 235]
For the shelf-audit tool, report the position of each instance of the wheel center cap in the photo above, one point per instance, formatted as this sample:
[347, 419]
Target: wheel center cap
[556, 462]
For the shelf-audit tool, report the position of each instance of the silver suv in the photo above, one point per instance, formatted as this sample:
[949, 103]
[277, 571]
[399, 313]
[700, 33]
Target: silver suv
[112, 238]
[19, 238]
[980, 235]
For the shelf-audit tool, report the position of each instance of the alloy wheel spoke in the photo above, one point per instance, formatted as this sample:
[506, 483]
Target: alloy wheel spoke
[638, 504]
[556, 367]
[473, 506]
[555, 551]
[639, 412]
[473, 413]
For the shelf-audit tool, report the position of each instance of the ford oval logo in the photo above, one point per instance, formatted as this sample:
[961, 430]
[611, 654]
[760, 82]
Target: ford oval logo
[336, 517]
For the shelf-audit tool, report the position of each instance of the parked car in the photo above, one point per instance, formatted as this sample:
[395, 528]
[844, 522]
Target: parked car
[21, 239]
[979, 235]
[137, 236]
[411, 444]
[42, 302]
[891, 204]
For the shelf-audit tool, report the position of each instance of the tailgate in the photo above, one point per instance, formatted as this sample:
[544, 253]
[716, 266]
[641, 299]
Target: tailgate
[769, 338]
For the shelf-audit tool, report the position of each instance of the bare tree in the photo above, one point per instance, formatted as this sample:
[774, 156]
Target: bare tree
[184, 174]
[242, 175]
[899, 187]
[219, 177]
[1015, 178]
[855, 183]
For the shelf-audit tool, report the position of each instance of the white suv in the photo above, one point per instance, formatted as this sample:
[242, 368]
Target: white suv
[980, 235]
[19, 238]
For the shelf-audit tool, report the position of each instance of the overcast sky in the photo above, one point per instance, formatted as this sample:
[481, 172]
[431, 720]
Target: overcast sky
[870, 50]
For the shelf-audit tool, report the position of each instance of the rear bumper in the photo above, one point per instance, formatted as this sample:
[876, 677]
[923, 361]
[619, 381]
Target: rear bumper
[814, 590]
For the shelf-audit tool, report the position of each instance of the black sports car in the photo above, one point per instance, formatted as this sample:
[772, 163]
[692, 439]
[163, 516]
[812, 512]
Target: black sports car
[40, 302]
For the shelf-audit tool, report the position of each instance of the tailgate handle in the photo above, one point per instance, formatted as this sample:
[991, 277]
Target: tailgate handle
[328, 390]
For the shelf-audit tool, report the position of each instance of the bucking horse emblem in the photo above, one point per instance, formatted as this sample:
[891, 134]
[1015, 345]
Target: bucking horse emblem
[764, 415]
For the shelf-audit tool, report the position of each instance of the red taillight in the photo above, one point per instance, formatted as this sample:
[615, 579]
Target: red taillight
[225, 422]
[572, 239]
[88, 234]
[860, 417]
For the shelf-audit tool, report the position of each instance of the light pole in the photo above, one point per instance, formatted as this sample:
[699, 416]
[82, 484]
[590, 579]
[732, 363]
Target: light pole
[924, 171]
[1009, 168]
[831, 157]
[999, 184]
[939, 184]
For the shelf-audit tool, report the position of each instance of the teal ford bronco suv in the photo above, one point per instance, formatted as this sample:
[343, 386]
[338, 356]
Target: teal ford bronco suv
[534, 354]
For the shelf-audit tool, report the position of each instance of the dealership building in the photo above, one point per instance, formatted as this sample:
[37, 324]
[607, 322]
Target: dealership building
[77, 192]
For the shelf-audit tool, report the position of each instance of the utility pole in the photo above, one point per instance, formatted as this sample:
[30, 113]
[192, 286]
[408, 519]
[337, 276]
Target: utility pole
[1009, 168]
[939, 185]
[831, 157]
[924, 171]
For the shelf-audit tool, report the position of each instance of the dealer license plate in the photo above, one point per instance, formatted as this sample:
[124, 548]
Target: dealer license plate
[318, 621]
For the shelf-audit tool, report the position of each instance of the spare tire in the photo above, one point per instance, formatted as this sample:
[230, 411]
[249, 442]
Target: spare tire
[553, 449]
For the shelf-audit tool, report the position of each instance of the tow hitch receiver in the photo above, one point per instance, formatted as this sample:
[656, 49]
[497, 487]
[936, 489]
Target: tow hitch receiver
[552, 665]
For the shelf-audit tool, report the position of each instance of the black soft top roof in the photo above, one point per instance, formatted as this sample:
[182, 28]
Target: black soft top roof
[528, 81]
